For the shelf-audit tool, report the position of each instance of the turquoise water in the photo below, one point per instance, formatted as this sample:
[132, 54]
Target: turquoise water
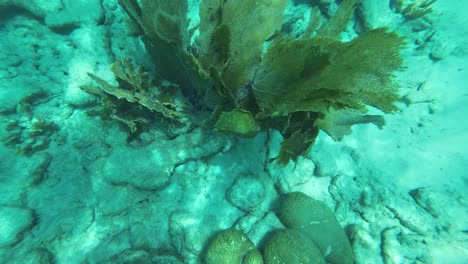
[207, 131]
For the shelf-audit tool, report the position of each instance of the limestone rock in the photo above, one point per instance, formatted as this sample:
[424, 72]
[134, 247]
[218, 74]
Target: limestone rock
[13, 222]
[246, 192]
[150, 168]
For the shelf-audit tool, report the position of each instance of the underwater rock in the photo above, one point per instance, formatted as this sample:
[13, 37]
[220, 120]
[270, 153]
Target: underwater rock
[122, 169]
[441, 49]
[37, 7]
[413, 218]
[151, 168]
[10, 64]
[399, 244]
[15, 181]
[246, 192]
[75, 13]
[36, 256]
[259, 226]
[375, 14]
[449, 209]
[188, 234]
[332, 159]
[139, 256]
[13, 222]
[292, 177]
[39, 166]
[84, 59]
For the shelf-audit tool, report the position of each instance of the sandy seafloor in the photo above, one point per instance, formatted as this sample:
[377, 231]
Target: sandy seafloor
[400, 192]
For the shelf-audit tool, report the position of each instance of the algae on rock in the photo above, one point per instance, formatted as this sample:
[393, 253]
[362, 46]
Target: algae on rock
[27, 133]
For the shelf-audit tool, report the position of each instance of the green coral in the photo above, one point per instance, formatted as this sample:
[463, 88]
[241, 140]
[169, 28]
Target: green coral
[253, 78]
[242, 38]
[135, 100]
[296, 144]
[315, 220]
[237, 122]
[252, 257]
[414, 9]
[321, 73]
[231, 246]
[339, 20]
[291, 247]
[312, 235]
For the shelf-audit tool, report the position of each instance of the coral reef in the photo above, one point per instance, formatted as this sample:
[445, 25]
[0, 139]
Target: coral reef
[315, 220]
[312, 235]
[290, 246]
[136, 99]
[298, 85]
[232, 246]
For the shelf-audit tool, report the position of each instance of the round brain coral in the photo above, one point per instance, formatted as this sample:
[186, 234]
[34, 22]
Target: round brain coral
[231, 246]
[291, 247]
[316, 220]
